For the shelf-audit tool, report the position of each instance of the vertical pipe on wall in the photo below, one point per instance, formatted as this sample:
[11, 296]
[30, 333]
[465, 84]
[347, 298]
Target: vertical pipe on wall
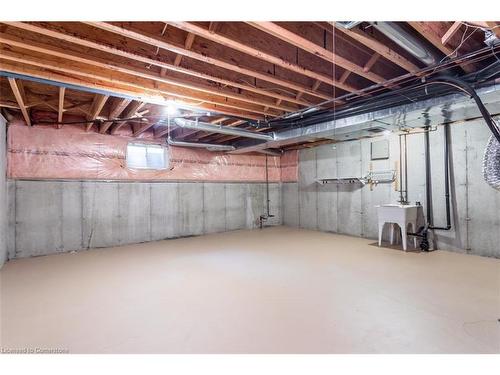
[467, 218]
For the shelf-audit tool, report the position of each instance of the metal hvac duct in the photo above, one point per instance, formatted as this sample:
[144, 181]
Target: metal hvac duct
[407, 41]
[203, 126]
[208, 146]
[437, 110]
[347, 24]
[491, 163]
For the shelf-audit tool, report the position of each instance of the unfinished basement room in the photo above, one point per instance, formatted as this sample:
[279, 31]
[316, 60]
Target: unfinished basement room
[250, 187]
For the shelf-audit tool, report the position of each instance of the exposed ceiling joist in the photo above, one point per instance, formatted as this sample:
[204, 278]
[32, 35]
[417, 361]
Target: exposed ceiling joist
[129, 113]
[200, 57]
[161, 64]
[187, 45]
[139, 85]
[297, 40]
[52, 51]
[96, 108]
[143, 128]
[451, 32]
[18, 91]
[373, 59]
[231, 43]
[115, 112]
[495, 27]
[431, 36]
[380, 48]
[8, 104]
[60, 108]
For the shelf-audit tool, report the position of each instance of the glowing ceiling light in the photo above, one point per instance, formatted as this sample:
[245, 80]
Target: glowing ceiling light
[171, 108]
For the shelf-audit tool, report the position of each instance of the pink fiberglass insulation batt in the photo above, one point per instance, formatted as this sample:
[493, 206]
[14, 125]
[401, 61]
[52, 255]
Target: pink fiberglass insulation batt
[72, 153]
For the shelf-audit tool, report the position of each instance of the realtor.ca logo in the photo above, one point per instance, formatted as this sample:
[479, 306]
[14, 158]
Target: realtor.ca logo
[33, 350]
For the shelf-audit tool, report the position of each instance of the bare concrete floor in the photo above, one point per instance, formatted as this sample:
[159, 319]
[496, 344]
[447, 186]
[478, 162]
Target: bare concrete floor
[279, 290]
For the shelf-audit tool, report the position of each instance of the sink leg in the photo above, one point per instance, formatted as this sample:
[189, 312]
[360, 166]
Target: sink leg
[403, 236]
[380, 230]
[393, 230]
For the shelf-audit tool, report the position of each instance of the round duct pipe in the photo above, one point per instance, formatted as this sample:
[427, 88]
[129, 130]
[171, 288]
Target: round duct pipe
[407, 41]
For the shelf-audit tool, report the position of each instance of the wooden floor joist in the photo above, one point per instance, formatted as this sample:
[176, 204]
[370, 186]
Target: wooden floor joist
[148, 61]
[20, 98]
[451, 32]
[379, 47]
[332, 57]
[115, 112]
[200, 57]
[129, 113]
[96, 108]
[52, 51]
[154, 89]
[60, 111]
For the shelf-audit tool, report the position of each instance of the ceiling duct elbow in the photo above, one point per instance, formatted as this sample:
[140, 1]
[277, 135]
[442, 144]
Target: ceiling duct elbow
[406, 40]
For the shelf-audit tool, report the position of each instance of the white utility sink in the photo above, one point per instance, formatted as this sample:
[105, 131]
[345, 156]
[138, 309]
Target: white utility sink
[401, 215]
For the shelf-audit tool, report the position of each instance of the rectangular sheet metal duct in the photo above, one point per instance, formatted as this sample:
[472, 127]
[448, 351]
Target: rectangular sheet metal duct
[433, 111]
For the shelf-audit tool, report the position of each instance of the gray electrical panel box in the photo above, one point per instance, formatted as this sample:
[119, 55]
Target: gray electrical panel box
[380, 150]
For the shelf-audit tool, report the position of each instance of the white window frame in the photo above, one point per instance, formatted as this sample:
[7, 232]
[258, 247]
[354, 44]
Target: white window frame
[166, 156]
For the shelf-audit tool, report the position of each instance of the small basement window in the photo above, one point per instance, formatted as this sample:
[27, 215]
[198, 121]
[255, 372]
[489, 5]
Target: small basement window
[147, 156]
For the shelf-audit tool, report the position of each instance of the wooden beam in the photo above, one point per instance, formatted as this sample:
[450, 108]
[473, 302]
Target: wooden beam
[191, 54]
[143, 128]
[5, 38]
[296, 40]
[20, 98]
[451, 32]
[187, 45]
[431, 36]
[148, 97]
[373, 59]
[345, 75]
[231, 43]
[315, 86]
[380, 48]
[114, 113]
[95, 108]
[144, 74]
[8, 104]
[142, 86]
[131, 112]
[213, 26]
[494, 27]
[60, 111]
[148, 61]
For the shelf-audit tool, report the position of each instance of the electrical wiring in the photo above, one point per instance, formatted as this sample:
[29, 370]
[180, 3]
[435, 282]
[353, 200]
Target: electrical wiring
[409, 78]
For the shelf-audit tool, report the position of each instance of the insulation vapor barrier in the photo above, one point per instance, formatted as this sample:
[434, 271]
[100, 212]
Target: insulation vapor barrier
[73, 153]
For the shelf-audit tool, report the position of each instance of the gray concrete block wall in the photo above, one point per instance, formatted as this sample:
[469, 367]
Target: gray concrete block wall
[58, 216]
[350, 209]
[3, 193]
[308, 197]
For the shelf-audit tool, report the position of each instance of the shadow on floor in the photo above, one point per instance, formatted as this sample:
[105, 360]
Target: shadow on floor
[398, 247]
